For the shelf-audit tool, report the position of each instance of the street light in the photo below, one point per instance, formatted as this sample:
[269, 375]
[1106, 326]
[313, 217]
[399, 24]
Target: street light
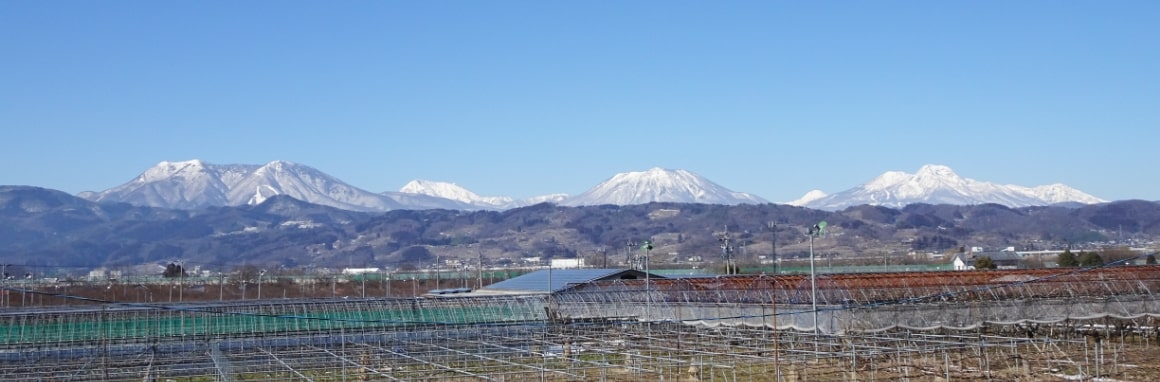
[647, 246]
[817, 230]
[260, 274]
[181, 280]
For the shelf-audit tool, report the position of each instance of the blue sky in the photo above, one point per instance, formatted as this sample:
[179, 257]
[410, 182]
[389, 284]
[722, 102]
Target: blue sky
[529, 98]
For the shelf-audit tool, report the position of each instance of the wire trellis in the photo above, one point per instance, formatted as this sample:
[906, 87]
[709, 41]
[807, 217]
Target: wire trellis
[1032, 324]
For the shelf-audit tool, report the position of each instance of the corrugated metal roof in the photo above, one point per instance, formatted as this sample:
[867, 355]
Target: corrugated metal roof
[538, 281]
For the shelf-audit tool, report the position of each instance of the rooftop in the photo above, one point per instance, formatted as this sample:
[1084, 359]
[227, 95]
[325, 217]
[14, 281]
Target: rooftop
[555, 280]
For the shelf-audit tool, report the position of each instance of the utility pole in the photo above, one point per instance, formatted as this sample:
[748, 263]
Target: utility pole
[5, 284]
[260, 274]
[647, 245]
[181, 280]
[817, 230]
[773, 246]
[727, 253]
[630, 259]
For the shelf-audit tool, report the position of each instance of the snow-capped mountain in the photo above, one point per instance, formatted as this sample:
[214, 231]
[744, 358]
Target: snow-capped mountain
[195, 184]
[306, 184]
[549, 198]
[807, 198]
[937, 184]
[182, 185]
[660, 185]
[455, 192]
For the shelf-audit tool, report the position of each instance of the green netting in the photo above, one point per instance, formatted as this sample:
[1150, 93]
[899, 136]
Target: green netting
[119, 323]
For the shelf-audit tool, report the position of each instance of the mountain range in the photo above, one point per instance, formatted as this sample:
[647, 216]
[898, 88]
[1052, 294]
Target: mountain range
[46, 230]
[195, 184]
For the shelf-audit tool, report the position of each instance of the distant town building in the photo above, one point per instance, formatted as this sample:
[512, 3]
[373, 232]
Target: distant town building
[567, 263]
[359, 271]
[961, 264]
[102, 274]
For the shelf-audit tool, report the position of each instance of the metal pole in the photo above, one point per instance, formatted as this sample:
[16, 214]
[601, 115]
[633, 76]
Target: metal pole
[727, 252]
[550, 294]
[263, 272]
[813, 286]
[773, 246]
[647, 292]
[776, 332]
[630, 258]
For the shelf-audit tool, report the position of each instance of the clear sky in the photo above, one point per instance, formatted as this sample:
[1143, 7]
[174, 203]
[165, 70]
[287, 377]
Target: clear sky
[527, 98]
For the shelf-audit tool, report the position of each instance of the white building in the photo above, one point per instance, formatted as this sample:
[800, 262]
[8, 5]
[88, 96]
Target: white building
[961, 263]
[359, 271]
[567, 263]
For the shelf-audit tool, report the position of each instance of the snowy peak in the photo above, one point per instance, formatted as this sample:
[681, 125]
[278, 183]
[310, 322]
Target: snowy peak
[660, 185]
[936, 171]
[937, 184]
[550, 198]
[172, 169]
[471, 200]
[927, 177]
[1060, 193]
[454, 192]
[306, 184]
[185, 185]
[810, 196]
[935, 175]
[887, 180]
[428, 187]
